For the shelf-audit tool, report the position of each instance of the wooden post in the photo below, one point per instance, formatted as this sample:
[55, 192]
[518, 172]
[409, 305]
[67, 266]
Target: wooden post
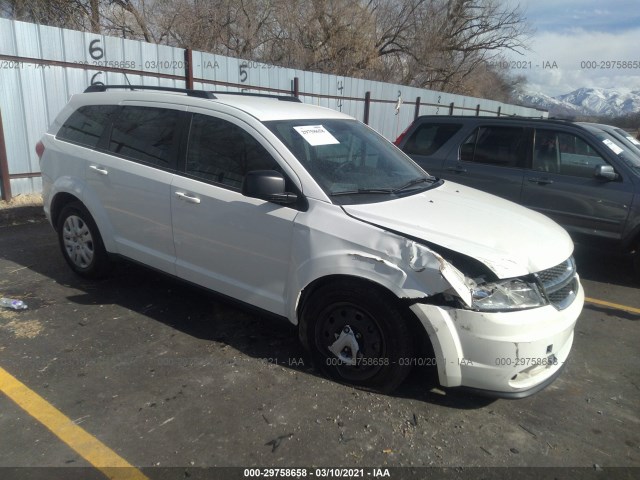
[188, 68]
[296, 87]
[4, 166]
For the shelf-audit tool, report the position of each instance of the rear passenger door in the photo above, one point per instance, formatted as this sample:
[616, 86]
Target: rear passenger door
[562, 184]
[235, 245]
[131, 174]
[492, 159]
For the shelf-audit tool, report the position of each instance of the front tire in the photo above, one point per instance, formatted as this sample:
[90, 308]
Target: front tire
[81, 243]
[357, 335]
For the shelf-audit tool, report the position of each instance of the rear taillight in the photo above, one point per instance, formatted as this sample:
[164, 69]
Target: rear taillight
[399, 139]
[39, 149]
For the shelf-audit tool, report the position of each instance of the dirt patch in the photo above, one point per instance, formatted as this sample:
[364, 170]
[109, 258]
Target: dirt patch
[21, 209]
[19, 328]
[28, 200]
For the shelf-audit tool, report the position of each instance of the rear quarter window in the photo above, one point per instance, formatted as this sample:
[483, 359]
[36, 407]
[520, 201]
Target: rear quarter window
[86, 125]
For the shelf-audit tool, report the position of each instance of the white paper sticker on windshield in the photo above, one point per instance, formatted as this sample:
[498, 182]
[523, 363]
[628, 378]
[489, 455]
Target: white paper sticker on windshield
[616, 149]
[633, 140]
[316, 135]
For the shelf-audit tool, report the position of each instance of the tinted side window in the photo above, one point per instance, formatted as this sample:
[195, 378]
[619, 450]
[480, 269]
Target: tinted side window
[145, 134]
[500, 146]
[85, 125]
[428, 138]
[564, 153]
[222, 152]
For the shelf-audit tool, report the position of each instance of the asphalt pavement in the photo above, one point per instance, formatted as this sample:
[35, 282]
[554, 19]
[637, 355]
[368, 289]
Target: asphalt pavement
[163, 374]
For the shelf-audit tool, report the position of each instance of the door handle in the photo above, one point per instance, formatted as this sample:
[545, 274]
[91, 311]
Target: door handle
[187, 198]
[100, 170]
[541, 181]
[457, 169]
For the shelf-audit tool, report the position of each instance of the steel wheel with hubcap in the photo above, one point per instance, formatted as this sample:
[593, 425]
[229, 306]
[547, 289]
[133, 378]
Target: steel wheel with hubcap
[357, 335]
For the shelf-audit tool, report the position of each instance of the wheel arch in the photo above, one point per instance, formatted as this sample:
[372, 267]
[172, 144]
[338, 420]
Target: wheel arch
[62, 198]
[422, 342]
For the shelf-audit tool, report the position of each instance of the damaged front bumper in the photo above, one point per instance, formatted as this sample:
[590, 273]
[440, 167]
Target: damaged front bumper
[500, 354]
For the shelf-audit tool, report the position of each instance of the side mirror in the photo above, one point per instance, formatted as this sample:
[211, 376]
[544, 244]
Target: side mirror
[267, 185]
[605, 172]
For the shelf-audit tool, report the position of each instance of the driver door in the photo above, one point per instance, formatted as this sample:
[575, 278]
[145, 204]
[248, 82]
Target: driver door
[224, 241]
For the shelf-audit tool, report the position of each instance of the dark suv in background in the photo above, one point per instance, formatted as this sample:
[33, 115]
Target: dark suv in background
[578, 174]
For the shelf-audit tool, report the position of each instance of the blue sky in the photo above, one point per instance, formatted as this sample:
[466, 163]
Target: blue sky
[559, 16]
[572, 32]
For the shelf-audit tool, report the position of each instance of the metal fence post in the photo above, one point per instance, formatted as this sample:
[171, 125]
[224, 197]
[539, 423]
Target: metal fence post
[4, 166]
[367, 105]
[416, 112]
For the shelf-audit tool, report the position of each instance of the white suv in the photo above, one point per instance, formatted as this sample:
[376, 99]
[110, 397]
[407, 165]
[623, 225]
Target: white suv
[310, 215]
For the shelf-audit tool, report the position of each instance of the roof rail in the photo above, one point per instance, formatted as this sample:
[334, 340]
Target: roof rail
[282, 98]
[189, 92]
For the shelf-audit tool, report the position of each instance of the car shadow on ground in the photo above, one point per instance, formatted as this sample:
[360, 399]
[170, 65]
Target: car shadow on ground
[191, 310]
[203, 315]
[206, 316]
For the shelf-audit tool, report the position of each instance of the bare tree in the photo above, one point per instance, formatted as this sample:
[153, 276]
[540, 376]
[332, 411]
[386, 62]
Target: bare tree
[73, 14]
[450, 39]
[332, 36]
[437, 44]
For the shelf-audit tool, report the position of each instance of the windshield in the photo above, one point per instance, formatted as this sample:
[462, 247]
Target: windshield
[626, 138]
[351, 162]
[620, 148]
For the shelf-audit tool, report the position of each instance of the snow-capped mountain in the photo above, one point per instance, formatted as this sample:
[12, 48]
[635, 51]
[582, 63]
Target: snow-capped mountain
[556, 108]
[585, 101]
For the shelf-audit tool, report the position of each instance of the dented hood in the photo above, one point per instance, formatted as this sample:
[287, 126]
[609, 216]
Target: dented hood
[509, 239]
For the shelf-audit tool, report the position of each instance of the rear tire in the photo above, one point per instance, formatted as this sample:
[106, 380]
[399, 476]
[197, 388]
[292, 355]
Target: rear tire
[344, 311]
[81, 243]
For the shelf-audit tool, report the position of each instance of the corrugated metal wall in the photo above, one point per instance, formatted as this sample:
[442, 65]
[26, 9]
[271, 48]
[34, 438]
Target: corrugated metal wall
[41, 67]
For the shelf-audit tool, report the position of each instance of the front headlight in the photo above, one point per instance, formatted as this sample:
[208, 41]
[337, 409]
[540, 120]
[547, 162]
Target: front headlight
[514, 294]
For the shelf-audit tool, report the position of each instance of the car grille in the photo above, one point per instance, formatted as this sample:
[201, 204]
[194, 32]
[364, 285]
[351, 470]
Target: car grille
[560, 283]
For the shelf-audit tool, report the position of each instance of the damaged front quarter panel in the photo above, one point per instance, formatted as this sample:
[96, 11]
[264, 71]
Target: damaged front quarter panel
[419, 258]
[413, 271]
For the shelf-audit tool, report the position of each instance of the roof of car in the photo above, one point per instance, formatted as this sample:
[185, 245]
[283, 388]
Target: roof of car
[262, 107]
[481, 118]
[602, 126]
[265, 108]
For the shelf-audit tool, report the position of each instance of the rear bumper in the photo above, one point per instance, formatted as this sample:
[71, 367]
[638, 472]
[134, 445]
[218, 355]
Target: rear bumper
[508, 354]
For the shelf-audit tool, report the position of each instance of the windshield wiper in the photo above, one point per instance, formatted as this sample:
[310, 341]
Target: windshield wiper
[413, 182]
[386, 191]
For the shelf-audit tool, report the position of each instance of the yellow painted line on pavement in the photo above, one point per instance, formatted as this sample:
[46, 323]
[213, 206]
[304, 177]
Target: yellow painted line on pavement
[88, 447]
[617, 306]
